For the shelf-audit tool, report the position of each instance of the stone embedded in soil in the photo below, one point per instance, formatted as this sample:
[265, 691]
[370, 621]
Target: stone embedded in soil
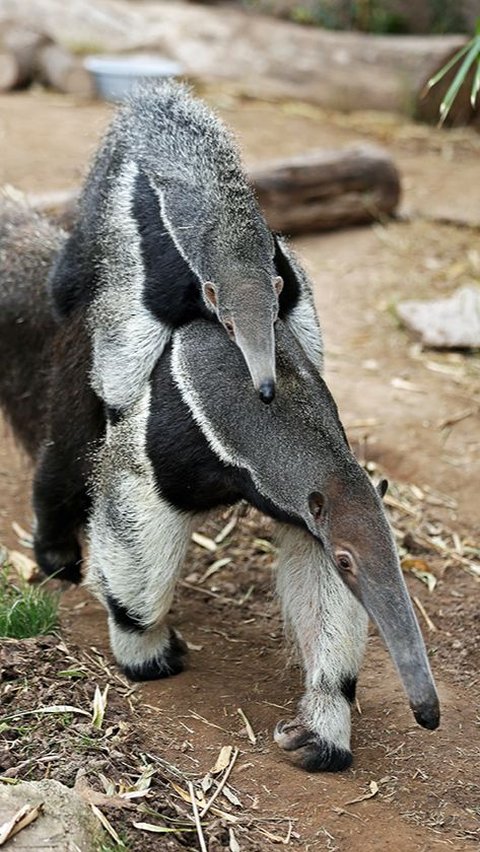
[452, 323]
[66, 823]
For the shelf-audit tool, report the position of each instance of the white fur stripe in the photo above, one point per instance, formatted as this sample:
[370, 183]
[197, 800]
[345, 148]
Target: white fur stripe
[182, 379]
[127, 337]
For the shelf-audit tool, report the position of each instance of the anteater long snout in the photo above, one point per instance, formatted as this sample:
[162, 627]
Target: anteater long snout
[258, 349]
[388, 604]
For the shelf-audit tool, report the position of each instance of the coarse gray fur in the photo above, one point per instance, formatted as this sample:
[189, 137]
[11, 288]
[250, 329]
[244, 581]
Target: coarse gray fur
[26, 316]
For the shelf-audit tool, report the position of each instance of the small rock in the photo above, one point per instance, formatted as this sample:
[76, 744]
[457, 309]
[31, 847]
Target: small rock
[452, 323]
[66, 823]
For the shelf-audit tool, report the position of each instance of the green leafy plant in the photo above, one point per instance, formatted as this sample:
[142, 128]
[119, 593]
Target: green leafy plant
[25, 611]
[470, 54]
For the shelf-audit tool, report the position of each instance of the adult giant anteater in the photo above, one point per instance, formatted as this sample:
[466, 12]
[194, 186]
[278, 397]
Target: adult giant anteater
[187, 447]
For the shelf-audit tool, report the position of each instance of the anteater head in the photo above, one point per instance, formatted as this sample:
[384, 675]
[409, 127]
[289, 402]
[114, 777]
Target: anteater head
[347, 516]
[247, 307]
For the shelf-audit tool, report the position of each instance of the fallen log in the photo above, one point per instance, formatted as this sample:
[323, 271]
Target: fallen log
[318, 191]
[9, 71]
[64, 72]
[261, 56]
[323, 190]
[18, 52]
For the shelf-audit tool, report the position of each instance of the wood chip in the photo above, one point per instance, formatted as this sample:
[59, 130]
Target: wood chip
[99, 707]
[275, 837]
[53, 708]
[213, 568]
[456, 418]
[428, 620]
[204, 541]
[231, 796]
[372, 792]
[250, 732]
[107, 826]
[228, 528]
[403, 385]
[198, 825]
[233, 844]
[25, 567]
[221, 785]
[159, 829]
[25, 538]
[223, 760]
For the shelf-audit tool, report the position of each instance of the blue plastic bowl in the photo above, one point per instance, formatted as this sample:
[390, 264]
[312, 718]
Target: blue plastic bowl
[116, 76]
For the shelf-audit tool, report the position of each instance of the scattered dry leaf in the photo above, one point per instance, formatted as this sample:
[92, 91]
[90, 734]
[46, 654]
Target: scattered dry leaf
[23, 817]
[223, 760]
[250, 733]
[227, 529]
[53, 708]
[25, 538]
[160, 829]
[99, 707]
[233, 844]
[107, 826]
[204, 541]
[25, 567]
[373, 792]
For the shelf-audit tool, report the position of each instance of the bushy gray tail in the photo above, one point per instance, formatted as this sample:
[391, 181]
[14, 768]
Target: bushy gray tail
[28, 244]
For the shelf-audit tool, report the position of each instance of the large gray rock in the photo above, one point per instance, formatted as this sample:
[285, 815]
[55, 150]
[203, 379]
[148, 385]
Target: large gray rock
[66, 823]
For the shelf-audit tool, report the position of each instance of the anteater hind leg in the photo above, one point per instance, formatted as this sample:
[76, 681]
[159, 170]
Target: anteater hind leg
[76, 422]
[60, 504]
[138, 543]
[330, 629]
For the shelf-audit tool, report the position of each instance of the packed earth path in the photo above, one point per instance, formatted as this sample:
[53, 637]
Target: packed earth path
[411, 415]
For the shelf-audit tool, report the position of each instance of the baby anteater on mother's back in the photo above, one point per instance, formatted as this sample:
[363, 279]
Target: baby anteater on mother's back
[168, 230]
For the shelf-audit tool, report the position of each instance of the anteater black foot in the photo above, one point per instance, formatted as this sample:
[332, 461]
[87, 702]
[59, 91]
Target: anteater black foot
[170, 661]
[310, 751]
[61, 560]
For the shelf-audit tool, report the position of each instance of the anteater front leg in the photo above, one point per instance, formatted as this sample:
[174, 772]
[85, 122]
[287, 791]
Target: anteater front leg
[330, 629]
[138, 543]
[60, 505]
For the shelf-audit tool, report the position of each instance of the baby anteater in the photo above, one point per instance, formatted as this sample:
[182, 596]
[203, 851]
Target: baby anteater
[168, 230]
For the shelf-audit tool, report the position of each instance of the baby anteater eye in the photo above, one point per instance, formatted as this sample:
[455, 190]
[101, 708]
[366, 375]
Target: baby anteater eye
[228, 325]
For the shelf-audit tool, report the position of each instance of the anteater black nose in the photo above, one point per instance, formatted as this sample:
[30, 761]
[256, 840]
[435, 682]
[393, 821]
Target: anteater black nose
[267, 392]
[428, 715]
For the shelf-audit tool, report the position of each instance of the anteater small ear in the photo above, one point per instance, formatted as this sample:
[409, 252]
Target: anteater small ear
[316, 504]
[210, 293]
[382, 487]
[278, 284]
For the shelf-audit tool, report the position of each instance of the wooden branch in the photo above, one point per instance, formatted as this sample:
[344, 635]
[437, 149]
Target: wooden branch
[323, 190]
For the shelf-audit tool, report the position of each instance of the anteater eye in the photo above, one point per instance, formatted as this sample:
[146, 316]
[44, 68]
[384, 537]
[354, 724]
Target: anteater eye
[344, 562]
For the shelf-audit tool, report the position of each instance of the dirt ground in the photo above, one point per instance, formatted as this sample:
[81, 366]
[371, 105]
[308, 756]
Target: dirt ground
[413, 414]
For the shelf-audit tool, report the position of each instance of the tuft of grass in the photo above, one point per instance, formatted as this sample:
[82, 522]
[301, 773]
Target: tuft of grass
[25, 611]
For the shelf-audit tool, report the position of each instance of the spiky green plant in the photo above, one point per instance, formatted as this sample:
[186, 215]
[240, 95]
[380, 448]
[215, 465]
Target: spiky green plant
[470, 54]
